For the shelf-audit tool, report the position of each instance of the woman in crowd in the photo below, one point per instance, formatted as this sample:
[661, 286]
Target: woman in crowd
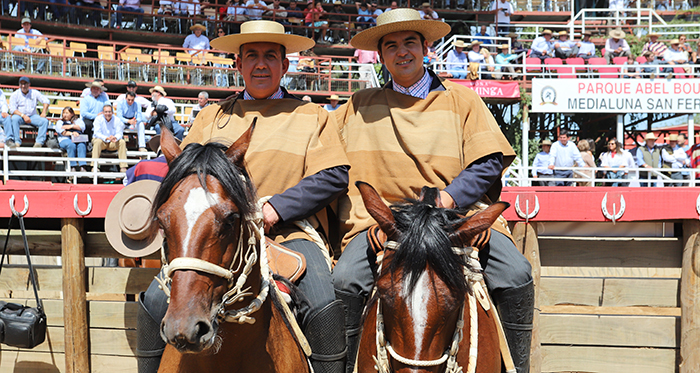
[618, 158]
[69, 128]
[585, 149]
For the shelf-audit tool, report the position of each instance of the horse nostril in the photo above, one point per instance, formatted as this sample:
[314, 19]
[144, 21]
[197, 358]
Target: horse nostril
[202, 328]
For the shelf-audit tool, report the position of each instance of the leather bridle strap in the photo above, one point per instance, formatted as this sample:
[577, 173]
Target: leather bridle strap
[196, 264]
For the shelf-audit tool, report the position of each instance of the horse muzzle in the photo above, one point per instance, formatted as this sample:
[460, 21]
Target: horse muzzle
[190, 336]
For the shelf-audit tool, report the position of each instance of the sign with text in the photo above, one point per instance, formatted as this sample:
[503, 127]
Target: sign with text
[491, 88]
[616, 95]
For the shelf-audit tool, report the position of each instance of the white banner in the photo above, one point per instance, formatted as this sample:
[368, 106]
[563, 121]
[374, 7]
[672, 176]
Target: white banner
[658, 95]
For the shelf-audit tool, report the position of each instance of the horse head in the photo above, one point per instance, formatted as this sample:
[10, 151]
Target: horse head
[421, 285]
[202, 207]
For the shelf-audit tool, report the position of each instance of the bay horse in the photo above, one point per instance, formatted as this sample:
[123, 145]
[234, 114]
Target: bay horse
[419, 319]
[206, 207]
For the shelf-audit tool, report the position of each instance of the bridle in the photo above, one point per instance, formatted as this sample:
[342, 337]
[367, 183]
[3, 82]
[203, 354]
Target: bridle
[475, 280]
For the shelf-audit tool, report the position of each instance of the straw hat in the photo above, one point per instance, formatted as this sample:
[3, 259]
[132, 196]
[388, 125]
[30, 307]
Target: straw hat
[563, 33]
[475, 42]
[675, 41]
[547, 31]
[650, 136]
[337, 2]
[128, 225]
[425, 5]
[158, 89]
[512, 35]
[334, 97]
[673, 137]
[587, 32]
[96, 84]
[654, 34]
[262, 32]
[459, 44]
[198, 26]
[617, 34]
[546, 142]
[503, 46]
[399, 20]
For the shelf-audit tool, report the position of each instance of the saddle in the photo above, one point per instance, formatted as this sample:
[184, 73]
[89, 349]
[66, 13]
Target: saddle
[284, 262]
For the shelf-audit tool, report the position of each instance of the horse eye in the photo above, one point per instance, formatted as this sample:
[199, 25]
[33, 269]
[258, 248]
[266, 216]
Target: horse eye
[232, 218]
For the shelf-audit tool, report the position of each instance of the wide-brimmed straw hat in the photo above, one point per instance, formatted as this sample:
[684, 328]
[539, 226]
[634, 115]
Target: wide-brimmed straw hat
[262, 32]
[425, 5]
[654, 34]
[503, 46]
[158, 89]
[617, 34]
[512, 35]
[128, 225]
[546, 142]
[459, 44]
[675, 41]
[96, 84]
[475, 42]
[334, 97]
[650, 136]
[399, 20]
[563, 33]
[587, 32]
[198, 26]
[547, 31]
[673, 137]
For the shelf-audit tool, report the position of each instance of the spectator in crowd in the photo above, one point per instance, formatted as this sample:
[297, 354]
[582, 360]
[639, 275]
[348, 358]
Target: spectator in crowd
[168, 110]
[619, 159]
[489, 64]
[616, 45]
[474, 54]
[565, 48]
[4, 113]
[202, 102]
[91, 106]
[540, 166]
[22, 106]
[655, 46]
[256, 8]
[516, 46]
[649, 67]
[69, 129]
[483, 32]
[457, 60]
[427, 12]
[196, 42]
[236, 12]
[306, 98]
[394, 5]
[59, 9]
[338, 23]
[129, 112]
[682, 142]
[631, 69]
[564, 153]
[676, 158]
[431, 55]
[685, 47]
[617, 8]
[505, 9]
[364, 16]
[27, 33]
[663, 5]
[109, 135]
[131, 87]
[5, 8]
[376, 12]
[95, 16]
[190, 8]
[295, 16]
[504, 62]
[367, 59]
[648, 156]
[277, 12]
[334, 103]
[675, 56]
[319, 15]
[542, 46]
[29, 6]
[133, 6]
[87, 92]
[584, 147]
[586, 48]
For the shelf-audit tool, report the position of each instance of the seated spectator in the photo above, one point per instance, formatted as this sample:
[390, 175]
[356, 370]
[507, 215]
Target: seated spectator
[334, 103]
[376, 12]
[616, 45]
[516, 46]
[426, 12]
[196, 42]
[202, 102]
[367, 59]
[306, 98]
[474, 54]
[685, 47]
[95, 16]
[565, 48]
[489, 64]
[131, 87]
[619, 159]
[584, 147]
[69, 129]
[431, 56]
[256, 8]
[109, 135]
[675, 56]
[504, 61]
[27, 33]
[4, 113]
[457, 61]
[128, 6]
[171, 8]
[676, 158]
[29, 6]
[649, 69]
[655, 46]
[586, 49]
[542, 46]
[540, 169]
[277, 12]
[22, 107]
[339, 23]
[162, 110]
[482, 33]
[617, 8]
[87, 92]
[190, 9]
[130, 114]
[236, 13]
[364, 18]
[318, 15]
[91, 105]
[295, 16]
[630, 69]
[394, 5]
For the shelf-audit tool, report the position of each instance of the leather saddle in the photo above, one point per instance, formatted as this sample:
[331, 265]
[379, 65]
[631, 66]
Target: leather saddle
[284, 262]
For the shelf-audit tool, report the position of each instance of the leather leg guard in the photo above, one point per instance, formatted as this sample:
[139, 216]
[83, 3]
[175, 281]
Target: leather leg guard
[326, 336]
[516, 309]
[354, 305]
[149, 344]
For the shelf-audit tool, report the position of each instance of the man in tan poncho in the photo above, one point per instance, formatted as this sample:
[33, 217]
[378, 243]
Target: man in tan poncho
[295, 156]
[418, 131]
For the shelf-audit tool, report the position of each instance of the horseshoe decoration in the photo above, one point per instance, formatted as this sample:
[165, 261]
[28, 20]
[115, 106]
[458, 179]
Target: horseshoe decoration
[12, 206]
[527, 215]
[78, 210]
[616, 215]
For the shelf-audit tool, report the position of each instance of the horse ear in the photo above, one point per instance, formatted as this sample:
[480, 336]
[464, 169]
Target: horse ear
[429, 195]
[378, 209]
[479, 222]
[236, 152]
[168, 145]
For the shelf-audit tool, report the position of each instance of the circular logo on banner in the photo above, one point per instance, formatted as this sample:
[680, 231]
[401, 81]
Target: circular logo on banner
[548, 96]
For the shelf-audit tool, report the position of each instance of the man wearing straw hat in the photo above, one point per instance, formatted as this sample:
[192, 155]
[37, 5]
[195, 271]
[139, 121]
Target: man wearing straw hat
[565, 48]
[296, 157]
[195, 41]
[457, 60]
[658, 48]
[418, 131]
[587, 48]
[542, 47]
[92, 104]
[334, 103]
[616, 45]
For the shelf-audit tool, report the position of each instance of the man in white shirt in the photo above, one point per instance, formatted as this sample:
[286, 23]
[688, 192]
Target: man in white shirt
[27, 33]
[505, 9]
[4, 113]
[457, 60]
[564, 153]
[616, 45]
[334, 103]
[540, 166]
[195, 41]
[131, 87]
[674, 55]
[158, 96]
[202, 102]
[587, 48]
[22, 107]
[427, 12]
[256, 8]
[542, 47]
[565, 48]
[677, 158]
[108, 134]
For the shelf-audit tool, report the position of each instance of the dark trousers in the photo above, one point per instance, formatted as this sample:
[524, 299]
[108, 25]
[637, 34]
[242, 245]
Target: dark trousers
[88, 127]
[542, 180]
[564, 174]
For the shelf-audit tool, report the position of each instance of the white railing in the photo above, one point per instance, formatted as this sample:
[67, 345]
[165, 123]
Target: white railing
[657, 177]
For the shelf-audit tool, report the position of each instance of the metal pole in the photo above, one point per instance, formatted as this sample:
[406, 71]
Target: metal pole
[620, 129]
[525, 147]
[691, 130]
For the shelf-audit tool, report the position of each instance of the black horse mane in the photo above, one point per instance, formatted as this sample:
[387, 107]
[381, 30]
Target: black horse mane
[425, 240]
[208, 160]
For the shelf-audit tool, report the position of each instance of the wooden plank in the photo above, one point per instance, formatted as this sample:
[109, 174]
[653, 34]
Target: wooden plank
[75, 304]
[115, 315]
[608, 359]
[114, 342]
[58, 295]
[632, 311]
[120, 280]
[48, 243]
[611, 253]
[628, 331]
[640, 292]
[690, 298]
[619, 272]
[43, 362]
[581, 291]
